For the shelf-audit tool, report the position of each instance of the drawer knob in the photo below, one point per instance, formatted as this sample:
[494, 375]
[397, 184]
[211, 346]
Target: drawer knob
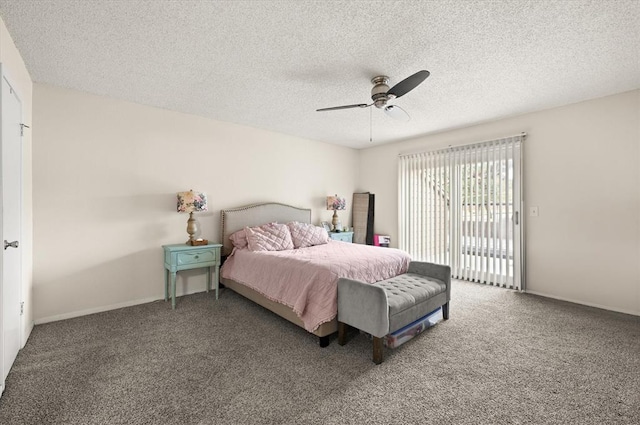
[197, 257]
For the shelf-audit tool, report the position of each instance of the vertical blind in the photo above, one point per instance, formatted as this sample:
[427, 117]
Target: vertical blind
[460, 206]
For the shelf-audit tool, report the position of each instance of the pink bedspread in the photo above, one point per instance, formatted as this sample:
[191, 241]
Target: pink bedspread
[306, 279]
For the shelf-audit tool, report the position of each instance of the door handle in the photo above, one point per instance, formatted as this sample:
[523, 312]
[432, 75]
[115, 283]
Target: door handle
[13, 244]
[517, 217]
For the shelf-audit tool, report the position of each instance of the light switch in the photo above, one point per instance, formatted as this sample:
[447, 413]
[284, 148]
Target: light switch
[533, 211]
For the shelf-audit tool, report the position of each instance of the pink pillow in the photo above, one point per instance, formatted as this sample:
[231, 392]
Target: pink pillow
[304, 234]
[239, 239]
[269, 237]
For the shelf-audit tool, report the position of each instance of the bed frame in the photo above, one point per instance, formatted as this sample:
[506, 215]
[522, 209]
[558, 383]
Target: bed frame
[235, 219]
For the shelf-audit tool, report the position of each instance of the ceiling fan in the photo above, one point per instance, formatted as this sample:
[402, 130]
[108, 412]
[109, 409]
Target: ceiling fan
[381, 94]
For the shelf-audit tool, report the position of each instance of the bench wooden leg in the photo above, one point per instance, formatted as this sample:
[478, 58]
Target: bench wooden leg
[342, 333]
[378, 354]
[445, 311]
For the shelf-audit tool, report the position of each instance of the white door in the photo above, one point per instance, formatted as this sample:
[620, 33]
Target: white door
[11, 265]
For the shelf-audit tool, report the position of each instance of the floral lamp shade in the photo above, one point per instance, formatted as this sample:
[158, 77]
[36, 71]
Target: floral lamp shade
[336, 203]
[192, 201]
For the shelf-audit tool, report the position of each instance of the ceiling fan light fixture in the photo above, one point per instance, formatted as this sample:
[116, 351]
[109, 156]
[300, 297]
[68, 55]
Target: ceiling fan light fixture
[396, 112]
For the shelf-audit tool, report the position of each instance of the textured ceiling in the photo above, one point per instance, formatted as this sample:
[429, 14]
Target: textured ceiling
[270, 64]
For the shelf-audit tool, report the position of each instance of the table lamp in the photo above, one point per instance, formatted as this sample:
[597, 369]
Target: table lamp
[335, 203]
[191, 202]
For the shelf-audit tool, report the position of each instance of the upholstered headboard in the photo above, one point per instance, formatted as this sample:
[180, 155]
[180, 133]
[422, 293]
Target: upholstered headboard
[254, 215]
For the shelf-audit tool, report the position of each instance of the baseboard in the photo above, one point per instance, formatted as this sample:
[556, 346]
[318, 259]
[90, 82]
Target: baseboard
[603, 307]
[101, 309]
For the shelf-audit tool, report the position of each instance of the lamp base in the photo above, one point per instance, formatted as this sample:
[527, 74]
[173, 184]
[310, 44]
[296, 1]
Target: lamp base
[334, 220]
[191, 229]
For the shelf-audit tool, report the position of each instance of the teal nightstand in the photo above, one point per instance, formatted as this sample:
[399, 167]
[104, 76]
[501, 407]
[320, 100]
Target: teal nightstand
[342, 236]
[184, 257]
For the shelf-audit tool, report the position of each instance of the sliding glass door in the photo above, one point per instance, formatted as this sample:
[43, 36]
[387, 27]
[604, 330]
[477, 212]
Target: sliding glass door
[461, 207]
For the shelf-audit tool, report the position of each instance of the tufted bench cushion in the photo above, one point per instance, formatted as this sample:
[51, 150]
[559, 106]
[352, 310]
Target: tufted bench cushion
[407, 296]
[384, 307]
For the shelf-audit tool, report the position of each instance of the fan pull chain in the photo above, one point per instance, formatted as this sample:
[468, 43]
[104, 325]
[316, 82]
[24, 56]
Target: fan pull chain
[370, 125]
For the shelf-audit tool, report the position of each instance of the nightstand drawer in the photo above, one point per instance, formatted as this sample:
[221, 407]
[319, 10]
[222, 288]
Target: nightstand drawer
[342, 236]
[195, 257]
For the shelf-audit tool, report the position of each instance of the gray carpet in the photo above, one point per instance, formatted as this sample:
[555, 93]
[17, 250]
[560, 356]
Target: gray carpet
[502, 358]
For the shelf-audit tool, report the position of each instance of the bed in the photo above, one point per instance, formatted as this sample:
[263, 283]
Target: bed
[308, 298]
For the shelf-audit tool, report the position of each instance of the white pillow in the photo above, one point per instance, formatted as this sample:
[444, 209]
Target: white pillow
[269, 237]
[304, 234]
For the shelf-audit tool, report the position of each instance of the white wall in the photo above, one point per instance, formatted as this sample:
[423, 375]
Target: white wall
[105, 175]
[17, 74]
[582, 165]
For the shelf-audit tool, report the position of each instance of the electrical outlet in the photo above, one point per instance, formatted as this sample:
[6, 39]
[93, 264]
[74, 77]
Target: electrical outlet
[533, 211]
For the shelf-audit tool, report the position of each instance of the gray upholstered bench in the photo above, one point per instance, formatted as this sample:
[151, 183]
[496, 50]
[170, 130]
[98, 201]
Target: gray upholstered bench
[384, 307]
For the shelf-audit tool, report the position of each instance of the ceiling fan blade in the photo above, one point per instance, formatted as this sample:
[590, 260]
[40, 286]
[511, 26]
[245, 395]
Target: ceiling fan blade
[408, 84]
[335, 108]
[396, 112]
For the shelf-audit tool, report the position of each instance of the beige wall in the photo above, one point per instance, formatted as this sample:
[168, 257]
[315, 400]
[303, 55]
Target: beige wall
[105, 177]
[582, 165]
[106, 172]
[17, 74]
